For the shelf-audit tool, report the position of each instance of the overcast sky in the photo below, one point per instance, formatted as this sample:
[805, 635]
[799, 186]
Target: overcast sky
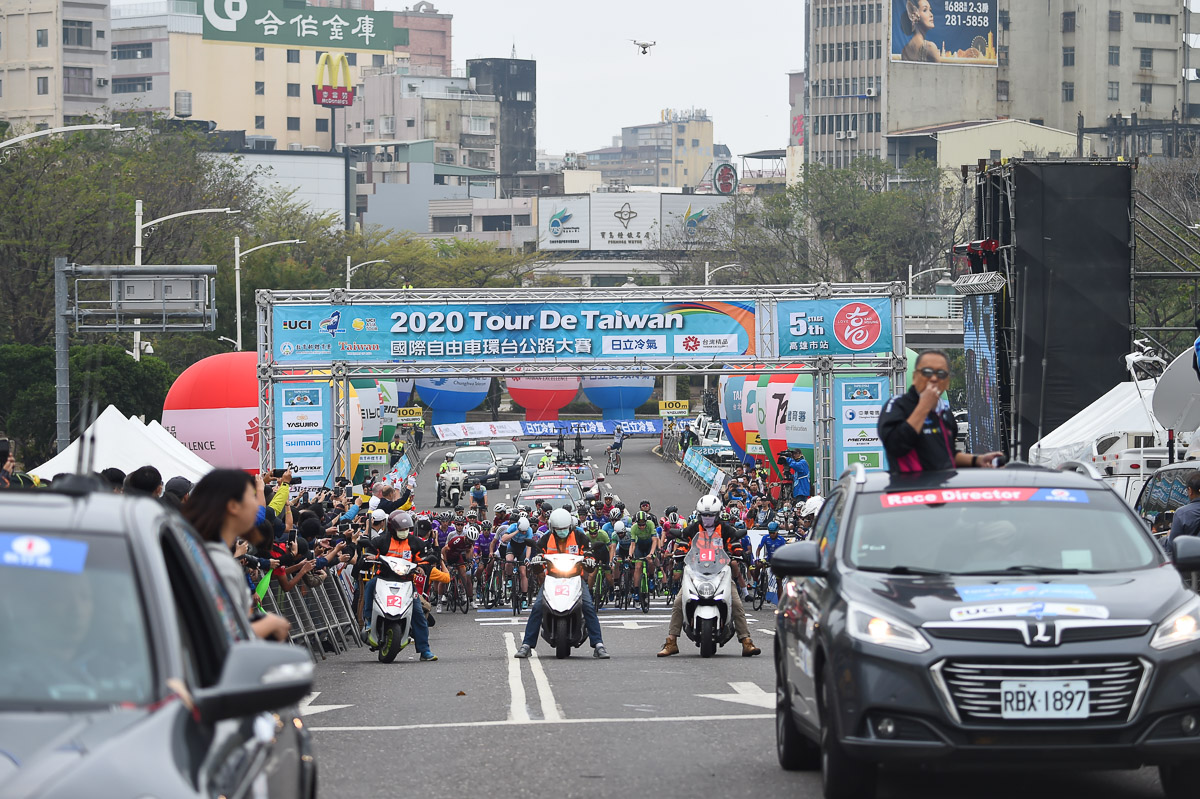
[730, 58]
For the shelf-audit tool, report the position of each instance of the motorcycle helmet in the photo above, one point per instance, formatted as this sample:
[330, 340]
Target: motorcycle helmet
[449, 457]
[708, 505]
[472, 533]
[813, 506]
[400, 522]
[560, 522]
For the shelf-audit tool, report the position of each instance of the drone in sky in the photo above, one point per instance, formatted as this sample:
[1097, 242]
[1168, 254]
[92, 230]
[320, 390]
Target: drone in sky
[645, 46]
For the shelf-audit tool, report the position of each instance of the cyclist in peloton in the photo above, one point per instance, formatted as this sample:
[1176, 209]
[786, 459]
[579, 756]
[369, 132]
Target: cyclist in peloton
[564, 538]
[457, 556]
[645, 541]
[518, 538]
[601, 547]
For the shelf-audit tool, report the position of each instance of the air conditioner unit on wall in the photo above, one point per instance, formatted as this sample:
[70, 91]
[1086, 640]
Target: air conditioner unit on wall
[461, 228]
[852, 134]
[872, 92]
[841, 134]
[101, 81]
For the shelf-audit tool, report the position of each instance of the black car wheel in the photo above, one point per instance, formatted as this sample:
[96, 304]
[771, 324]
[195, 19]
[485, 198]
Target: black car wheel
[842, 776]
[793, 748]
[1180, 780]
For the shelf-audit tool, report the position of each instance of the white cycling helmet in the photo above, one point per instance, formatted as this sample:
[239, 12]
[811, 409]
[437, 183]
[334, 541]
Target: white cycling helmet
[472, 533]
[523, 524]
[501, 507]
[813, 506]
[560, 522]
[708, 505]
[619, 527]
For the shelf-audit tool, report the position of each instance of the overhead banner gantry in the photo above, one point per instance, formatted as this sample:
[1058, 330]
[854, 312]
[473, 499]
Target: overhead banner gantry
[822, 329]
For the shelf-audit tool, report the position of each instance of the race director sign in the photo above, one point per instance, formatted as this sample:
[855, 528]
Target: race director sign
[552, 331]
[287, 24]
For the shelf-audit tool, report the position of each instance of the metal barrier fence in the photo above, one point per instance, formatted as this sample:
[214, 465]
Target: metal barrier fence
[322, 615]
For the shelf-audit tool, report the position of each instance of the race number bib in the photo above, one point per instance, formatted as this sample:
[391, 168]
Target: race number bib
[573, 550]
[406, 555]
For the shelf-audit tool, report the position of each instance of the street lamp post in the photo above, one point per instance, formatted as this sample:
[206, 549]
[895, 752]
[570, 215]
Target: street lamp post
[237, 277]
[911, 276]
[708, 273]
[352, 269]
[139, 226]
[67, 129]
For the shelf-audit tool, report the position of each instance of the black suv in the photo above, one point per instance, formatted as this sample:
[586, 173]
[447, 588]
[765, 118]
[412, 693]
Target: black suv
[125, 668]
[1018, 616]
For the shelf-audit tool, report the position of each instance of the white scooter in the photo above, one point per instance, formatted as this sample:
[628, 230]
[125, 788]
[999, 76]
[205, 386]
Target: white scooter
[391, 617]
[562, 603]
[707, 589]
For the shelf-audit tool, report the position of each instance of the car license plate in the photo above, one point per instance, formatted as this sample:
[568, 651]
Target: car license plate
[1044, 699]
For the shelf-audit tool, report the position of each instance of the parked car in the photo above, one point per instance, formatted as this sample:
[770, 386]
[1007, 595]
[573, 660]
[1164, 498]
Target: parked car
[125, 670]
[1015, 616]
[1166, 490]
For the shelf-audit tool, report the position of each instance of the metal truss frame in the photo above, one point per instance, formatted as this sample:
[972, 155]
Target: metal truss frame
[822, 367]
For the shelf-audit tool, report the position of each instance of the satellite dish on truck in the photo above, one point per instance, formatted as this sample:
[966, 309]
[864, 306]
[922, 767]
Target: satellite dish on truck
[1176, 398]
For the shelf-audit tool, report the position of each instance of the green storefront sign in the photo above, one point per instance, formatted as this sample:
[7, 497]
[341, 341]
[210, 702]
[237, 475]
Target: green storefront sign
[290, 23]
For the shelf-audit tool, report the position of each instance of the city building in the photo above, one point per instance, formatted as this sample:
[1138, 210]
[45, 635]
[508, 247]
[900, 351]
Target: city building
[675, 151]
[54, 64]
[513, 82]
[397, 181]
[874, 70]
[797, 87]
[258, 77]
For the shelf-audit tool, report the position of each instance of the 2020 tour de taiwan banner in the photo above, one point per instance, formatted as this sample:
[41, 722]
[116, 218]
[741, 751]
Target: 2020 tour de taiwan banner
[577, 331]
[567, 331]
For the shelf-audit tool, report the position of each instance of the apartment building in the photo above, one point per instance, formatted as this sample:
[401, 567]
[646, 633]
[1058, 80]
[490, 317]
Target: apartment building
[54, 65]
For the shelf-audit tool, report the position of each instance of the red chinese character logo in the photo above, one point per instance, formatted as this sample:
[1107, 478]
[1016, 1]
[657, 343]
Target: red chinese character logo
[857, 326]
[252, 433]
[691, 343]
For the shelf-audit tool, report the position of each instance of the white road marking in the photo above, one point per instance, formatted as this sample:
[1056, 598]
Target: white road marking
[631, 720]
[517, 712]
[745, 693]
[307, 708]
[550, 709]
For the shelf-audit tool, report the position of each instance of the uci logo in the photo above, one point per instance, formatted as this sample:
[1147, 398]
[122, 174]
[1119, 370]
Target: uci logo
[297, 324]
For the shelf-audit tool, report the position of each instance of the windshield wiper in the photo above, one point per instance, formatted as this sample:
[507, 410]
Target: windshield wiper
[904, 570]
[1031, 570]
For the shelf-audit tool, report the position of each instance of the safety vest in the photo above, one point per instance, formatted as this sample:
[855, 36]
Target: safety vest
[573, 544]
[402, 549]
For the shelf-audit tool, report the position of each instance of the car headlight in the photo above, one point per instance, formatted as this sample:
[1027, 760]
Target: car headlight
[706, 589]
[492, 470]
[1181, 627]
[867, 624]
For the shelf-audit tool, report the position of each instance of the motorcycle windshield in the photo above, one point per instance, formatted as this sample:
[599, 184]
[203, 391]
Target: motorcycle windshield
[707, 555]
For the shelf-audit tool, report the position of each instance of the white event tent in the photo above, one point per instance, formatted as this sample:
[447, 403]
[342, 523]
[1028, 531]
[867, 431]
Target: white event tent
[1121, 410]
[127, 444]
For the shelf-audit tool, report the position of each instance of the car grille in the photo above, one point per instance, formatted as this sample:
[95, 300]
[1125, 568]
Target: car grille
[972, 688]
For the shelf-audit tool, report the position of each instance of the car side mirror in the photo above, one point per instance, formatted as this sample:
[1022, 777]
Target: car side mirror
[599, 478]
[802, 559]
[258, 677]
[1187, 553]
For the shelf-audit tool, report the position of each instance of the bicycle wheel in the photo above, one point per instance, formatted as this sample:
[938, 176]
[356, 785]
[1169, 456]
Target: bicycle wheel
[760, 590]
[616, 463]
[464, 601]
[516, 592]
[644, 593]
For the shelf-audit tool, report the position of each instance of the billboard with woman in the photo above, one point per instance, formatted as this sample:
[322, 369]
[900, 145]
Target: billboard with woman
[961, 32]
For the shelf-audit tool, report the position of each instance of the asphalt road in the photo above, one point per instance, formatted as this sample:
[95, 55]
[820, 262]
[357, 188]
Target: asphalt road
[479, 721]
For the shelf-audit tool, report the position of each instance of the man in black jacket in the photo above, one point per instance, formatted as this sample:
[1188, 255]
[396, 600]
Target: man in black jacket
[917, 429]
